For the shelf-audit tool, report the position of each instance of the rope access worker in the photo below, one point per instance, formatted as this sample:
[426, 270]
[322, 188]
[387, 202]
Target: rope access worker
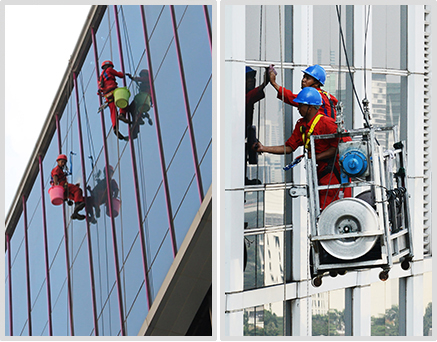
[99, 194]
[71, 191]
[107, 85]
[315, 77]
[253, 95]
[308, 103]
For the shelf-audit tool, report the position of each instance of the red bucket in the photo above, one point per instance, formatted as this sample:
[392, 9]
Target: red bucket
[115, 207]
[56, 193]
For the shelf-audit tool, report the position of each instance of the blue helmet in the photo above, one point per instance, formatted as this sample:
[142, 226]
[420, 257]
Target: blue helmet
[309, 96]
[250, 70]
[317, 72]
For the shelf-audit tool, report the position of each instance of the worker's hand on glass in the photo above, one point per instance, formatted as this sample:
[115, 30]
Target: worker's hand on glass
[129, 75]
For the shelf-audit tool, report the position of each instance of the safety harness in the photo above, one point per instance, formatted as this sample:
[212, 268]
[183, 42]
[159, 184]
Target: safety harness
[306, 135]
[306, 141]
[331, 103]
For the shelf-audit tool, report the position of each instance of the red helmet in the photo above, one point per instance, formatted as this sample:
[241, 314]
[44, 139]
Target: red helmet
[107, 63]
[62, 156]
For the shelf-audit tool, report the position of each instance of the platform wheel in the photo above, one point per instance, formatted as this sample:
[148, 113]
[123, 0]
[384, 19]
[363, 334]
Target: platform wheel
[333, 274]
[383, 275]
[342, 272]
[317, 281]
[406, 264]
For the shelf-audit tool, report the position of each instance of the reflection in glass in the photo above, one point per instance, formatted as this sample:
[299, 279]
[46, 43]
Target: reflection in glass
[427, 304]
[328, 310]
[385, 308]
[264, 320]
[253, 274]
[254, 209]
[274, 208]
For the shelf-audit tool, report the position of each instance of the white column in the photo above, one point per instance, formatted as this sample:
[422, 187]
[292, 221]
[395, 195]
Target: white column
[234, 90]
[414, 305]
[301, 317]
[415, 118]
[361, 311]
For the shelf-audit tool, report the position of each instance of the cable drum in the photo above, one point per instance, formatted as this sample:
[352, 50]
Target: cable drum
[348, 215]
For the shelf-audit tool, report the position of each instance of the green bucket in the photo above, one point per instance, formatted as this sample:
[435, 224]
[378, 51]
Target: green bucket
[121, 97]
[142, 102]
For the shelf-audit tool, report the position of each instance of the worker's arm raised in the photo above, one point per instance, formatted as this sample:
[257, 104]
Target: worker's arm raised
[272, 149]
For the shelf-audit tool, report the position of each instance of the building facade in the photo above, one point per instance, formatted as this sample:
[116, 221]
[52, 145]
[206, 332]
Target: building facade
[381, 53]
[121, 270]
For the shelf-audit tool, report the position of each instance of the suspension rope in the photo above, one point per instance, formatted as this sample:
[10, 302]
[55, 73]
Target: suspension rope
[284, 255]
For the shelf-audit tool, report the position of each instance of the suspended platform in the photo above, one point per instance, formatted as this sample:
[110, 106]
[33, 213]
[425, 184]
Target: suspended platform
[371, 228]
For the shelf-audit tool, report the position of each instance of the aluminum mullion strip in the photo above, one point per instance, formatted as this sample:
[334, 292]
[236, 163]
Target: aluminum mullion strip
[67, 256]
[187, 106]
[135, 178]
[11, 321]
[108, 189]
[46, 249]
[26, 255]
[208, 25]
[88, 232]
[158, 134]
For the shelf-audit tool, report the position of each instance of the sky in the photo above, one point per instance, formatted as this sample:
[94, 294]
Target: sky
[39, 40]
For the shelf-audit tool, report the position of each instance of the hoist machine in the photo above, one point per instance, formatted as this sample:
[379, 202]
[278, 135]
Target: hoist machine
[372, 228]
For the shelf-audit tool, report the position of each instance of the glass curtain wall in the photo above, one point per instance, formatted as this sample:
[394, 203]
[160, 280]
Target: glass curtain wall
[96, 266]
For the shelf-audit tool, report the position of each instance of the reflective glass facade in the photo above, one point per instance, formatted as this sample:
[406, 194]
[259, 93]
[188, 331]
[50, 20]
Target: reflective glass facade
[364, 52]
[101, 275]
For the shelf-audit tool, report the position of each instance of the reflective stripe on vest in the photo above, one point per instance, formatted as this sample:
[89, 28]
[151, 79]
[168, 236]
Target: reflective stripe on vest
[306, 136]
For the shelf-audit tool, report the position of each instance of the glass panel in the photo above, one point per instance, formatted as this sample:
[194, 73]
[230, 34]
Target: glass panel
[386, 105]
[328, 309]
[274, 258]
[262, 41]
[386, 36]
[274, 208]
[264, 320]
[161, 264]
[254, 269]
[254, 209]
[326, 41]
[427, 304]
[385, 308]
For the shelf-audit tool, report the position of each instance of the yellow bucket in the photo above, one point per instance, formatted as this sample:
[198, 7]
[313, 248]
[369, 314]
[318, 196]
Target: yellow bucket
[121, 97]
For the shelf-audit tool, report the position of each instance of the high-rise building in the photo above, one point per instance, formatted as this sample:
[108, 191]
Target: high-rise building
[381, 53]
[140, 261]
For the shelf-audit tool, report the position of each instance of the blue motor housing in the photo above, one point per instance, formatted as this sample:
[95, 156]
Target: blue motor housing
[354, 164]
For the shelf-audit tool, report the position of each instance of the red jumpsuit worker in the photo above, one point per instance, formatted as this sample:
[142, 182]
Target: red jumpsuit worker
[312, 122]
[314, 76]
[73, 191]
[107, 85]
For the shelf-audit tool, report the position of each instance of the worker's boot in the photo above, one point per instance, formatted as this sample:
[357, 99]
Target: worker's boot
[76, 216]
[78, 206]
[120, 136]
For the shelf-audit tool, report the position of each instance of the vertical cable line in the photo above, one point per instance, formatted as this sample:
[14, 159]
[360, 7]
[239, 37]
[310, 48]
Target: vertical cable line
[158, 134]
[67, 255]
[284, 255]
[135, 178]
[187, 107]
[88, 232]
[46, 249]
[26, 255]
[114, 237]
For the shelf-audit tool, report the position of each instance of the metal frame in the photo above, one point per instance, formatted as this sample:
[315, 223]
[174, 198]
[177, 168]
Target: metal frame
[113, 230]
[89, 242]
[11, 321]
[187, 106]
[379, 182]
[46, 249]
[26, 255]
[159, 137]
[136, 186]
[67, 256]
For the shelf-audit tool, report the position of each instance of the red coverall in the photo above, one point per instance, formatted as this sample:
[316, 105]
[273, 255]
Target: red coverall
[74, 192]
[327, 108]
[107, 85]
[326, 125]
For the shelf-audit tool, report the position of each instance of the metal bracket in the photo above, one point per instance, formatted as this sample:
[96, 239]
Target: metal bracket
[296, 191]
